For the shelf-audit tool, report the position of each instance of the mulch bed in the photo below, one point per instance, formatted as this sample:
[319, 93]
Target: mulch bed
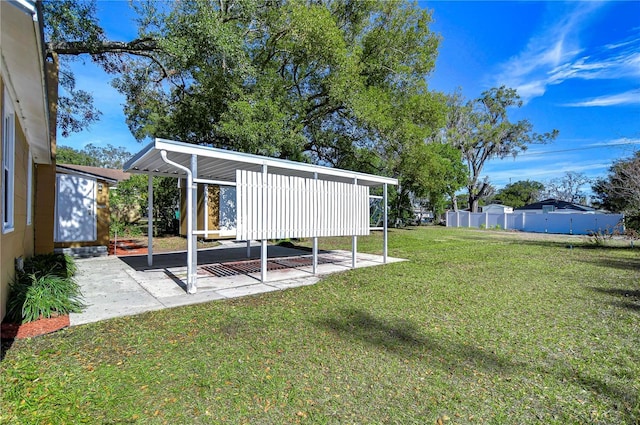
[36, 328]
[127, 247]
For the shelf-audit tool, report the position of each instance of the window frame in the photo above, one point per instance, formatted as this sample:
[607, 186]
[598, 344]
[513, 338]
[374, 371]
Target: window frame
[8, 163]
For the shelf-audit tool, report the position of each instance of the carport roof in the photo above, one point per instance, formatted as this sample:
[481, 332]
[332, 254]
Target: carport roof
[220, 164]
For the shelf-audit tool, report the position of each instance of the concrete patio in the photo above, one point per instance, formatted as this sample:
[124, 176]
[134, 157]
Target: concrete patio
[123, 286]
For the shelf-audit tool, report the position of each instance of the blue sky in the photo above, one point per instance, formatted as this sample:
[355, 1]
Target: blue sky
[576, 66]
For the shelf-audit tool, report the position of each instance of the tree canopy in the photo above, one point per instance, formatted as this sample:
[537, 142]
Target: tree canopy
[520, 193]
[334, 82]
[619, 191]
[481, 129]
[568, 188]
[108, 156]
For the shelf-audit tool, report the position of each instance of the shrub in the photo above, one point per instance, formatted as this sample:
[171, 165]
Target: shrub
[602, 237]
[32, 296]
[55, 264]
[43, 288]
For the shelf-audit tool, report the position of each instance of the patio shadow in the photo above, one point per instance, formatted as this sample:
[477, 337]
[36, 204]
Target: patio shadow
[206, 256]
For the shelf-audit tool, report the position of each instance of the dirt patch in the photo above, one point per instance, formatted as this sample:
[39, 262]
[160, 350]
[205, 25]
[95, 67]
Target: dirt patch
[36, 328]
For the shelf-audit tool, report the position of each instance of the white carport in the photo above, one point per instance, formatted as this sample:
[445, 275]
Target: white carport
[275, 198]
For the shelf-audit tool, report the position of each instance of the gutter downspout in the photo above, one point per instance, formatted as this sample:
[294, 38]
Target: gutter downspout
[191, 272]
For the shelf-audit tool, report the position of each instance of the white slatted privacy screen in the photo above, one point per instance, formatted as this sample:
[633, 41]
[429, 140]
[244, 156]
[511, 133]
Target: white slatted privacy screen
[297, 207]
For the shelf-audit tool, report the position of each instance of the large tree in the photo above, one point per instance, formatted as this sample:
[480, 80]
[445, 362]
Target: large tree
[520, 193]
[72, 31]
[619, 191]
[568, 188]
[431, 172]
[334, 82]
[481, 129]
[339, 83]
[326, 81]
[108, 156]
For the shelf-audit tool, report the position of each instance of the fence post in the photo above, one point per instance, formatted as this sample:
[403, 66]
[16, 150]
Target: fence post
[457, 218]
[546, 224]
[504, 217]
[571, 225]
[486, 220]
[469, 219]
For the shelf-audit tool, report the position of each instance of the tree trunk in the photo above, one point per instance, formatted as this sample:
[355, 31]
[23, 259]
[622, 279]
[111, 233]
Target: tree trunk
[473, 202]
[474, 206]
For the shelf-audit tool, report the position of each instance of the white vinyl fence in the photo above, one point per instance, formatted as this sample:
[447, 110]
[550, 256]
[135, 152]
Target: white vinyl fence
[561, 223]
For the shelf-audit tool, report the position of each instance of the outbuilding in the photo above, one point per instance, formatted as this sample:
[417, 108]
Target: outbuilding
[274, 198]
[496, 209]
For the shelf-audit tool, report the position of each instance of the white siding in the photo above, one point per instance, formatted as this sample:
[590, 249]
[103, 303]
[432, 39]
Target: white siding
[296, 207]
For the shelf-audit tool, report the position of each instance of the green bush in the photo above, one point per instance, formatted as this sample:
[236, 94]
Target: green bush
[43, 288]
[55, 264]
[125, 230]
[32, 296]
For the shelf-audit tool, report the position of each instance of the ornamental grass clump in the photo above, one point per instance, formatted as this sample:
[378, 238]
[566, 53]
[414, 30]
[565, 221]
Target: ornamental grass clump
[56, 264]
[43, 289]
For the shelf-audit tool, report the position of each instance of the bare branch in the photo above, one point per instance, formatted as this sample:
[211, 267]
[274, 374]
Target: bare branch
[139, 47]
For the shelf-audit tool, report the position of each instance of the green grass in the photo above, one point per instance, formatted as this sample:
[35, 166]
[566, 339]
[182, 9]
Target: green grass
[478, 327]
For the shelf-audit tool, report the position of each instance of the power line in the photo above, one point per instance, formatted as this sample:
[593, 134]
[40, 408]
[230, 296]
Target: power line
[578, 149]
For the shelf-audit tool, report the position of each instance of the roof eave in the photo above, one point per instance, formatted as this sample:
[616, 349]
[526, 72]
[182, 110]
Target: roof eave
[137, 163]
[23, 71]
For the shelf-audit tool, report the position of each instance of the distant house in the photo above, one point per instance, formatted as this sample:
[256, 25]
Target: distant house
[496, 209]
[82, 210]
[28, 90]
[216, 210]
[107, 173]
[554, 206]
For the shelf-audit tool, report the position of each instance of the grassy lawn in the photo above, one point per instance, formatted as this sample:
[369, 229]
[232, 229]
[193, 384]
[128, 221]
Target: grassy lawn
[478, 327]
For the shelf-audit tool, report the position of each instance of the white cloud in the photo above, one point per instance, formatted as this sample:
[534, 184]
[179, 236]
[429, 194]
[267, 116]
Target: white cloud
[617, 142]
[555, 55]
[631, 97]
[545, 171]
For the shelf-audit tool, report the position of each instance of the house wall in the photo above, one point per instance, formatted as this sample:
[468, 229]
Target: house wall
[45, 174]
[45, 177]
[496, 209]
[20, 241]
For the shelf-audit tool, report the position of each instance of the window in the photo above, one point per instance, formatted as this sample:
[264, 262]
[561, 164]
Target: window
[29, 187]
[8, 163]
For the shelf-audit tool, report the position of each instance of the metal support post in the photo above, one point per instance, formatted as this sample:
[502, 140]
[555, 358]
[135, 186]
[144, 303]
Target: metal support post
[354, 240]
[192, 283]
[150, 221]
[263, 241]
[384, 225]
[315, 238]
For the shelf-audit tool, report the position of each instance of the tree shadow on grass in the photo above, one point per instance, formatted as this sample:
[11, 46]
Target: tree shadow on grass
[616, 263]
[625, 397]
[404, 338]
[627, 298]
